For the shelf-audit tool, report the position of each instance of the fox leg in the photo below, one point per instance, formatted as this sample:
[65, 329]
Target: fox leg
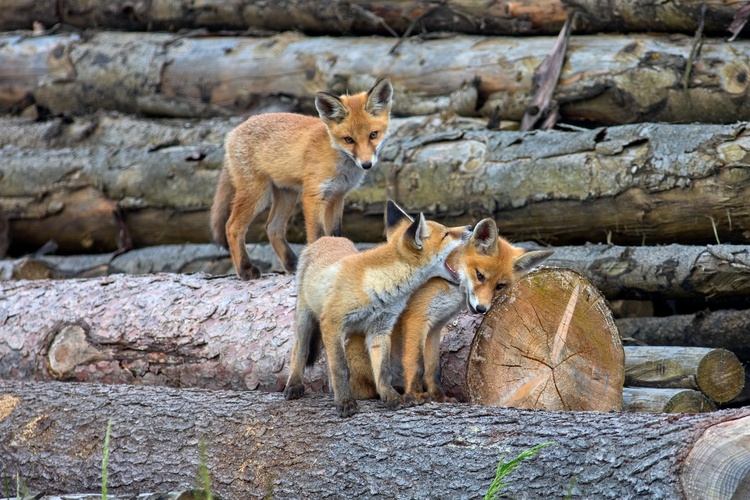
[414, 365]
[360, 370]
[247, 204]
[313, 207]
[305, 351]
[333, 341]
[333, 215]
[380, 357]
[432, 370]
[282, 208]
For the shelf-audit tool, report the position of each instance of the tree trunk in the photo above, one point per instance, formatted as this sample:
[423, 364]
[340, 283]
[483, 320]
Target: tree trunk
[650, 183]
[529, 17]
[552, 344]
[259, 444]
[653, 272]
[609, 79]
[716, 372]
[665, 400]
[726, 329]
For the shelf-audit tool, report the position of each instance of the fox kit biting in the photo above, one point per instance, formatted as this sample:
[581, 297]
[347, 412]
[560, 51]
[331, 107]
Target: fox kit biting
[486, 265]
[342, 291]
[271, 158]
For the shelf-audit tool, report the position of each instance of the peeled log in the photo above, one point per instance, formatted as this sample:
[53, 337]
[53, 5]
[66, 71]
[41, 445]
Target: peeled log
[646, 272]
[259, 444]
[716, 372]
[652, 400]
[503, 17]
[637, 184]
[728, 329]
[552, 344]
[608, 79]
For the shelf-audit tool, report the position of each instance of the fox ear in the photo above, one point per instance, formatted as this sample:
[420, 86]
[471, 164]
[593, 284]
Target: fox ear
[330, 108]
[418, 231]
[380, 97]
[529, 260]
[484, 237]
[394, 215]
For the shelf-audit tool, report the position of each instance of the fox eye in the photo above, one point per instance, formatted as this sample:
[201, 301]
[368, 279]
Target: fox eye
[499, 286]
[348, 140]
[373, 135]
[480, 276]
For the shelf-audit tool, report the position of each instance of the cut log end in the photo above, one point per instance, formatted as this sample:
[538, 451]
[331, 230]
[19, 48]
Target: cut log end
[721, 375]
[718, 465]
[552, 344]
[652, 400]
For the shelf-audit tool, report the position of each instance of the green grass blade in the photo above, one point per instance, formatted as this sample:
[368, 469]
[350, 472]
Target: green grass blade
[505, 468]
[105, 459]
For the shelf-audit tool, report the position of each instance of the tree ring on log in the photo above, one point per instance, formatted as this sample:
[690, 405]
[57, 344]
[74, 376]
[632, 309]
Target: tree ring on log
[552, 344]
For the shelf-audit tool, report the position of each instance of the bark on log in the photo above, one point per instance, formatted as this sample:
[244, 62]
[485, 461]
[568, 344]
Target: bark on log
[552, 344]
[609, 79]
[626, 185]
[727, 329]
[258, 444]
[653, 400]
[662, 272]
[504, 17]
[716, 372]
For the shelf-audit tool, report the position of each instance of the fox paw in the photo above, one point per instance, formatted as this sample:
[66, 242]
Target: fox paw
[394, 402]
[248, 272]
[346, 407]
[294, 391]
[442, 398]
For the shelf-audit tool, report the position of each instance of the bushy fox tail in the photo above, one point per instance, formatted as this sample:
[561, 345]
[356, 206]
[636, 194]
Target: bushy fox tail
[221, 208]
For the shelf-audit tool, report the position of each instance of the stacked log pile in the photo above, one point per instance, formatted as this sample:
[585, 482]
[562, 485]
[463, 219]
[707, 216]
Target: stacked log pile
[113, 119]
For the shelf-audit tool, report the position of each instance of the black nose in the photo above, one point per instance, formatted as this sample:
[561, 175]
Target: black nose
[469, 227]
[481, 309]
[366, 165]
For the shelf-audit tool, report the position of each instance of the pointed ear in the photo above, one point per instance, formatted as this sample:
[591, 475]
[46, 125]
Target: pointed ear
[418, 231]
[330, 108]
[380, 97]
[484, 237]
[394, 215]
[529, 260]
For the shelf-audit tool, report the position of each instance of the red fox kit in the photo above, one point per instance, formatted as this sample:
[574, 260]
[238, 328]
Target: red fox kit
[341, 291]
[271, 158]
[486, 266]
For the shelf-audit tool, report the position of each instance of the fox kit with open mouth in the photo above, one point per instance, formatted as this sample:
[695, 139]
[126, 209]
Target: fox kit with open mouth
[342, 291]
[486, 265]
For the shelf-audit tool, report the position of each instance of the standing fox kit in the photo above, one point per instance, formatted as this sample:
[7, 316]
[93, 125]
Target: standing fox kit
[486, 265]
[342, 291]
[271, 158]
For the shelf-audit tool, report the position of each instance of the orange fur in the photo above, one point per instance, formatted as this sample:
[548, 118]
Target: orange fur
[486, 265]
[272, 158]
[343, 292]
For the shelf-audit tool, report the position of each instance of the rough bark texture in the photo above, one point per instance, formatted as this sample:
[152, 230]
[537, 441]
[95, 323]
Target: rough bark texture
[636, 184]
[172, 330]
[361, 17]
[259, 444]
[609, 79]
[651, 272]
[552, 344]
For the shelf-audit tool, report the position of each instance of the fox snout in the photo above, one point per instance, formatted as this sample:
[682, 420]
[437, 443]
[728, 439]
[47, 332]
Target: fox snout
[367, 165]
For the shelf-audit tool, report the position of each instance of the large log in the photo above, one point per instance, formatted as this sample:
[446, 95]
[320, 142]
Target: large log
[609, 79]
[363, 17]
[650, 272]
[551, 344]
[261, 445]
[635, 184]
[727, 329]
